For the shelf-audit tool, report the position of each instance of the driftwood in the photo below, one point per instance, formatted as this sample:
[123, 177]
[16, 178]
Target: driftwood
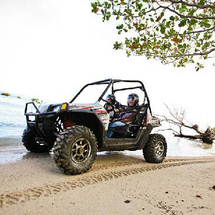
[178, 119]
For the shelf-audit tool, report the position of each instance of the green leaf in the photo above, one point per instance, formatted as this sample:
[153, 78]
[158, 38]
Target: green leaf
[193, 21]
[182, 23]
[205, 23]
[117, 45]
[162, 29]
[202, 2]
[120, 27]
[172, 18]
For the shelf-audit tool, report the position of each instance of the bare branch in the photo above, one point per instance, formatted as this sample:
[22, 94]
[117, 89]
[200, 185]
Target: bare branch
[178, 120]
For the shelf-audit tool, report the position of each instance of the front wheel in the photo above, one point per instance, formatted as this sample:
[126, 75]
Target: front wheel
[31, 144]
[155, 148]
[75, 150]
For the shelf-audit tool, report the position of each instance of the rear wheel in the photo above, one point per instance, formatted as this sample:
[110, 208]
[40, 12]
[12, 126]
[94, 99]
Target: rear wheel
[31, 144]
[75, 150]
[155, 148]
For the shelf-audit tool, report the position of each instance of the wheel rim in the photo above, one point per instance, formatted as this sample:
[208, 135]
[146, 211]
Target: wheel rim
[159, 148]
[81, 150]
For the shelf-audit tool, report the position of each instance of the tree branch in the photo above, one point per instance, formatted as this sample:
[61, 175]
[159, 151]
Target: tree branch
[187, 16]
[193, 5]
[191, 54]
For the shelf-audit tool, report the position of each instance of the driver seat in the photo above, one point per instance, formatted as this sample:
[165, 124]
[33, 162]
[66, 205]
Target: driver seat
[131, 129]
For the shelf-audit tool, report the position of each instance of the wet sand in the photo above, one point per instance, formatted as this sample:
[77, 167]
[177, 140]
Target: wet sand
[11, 150]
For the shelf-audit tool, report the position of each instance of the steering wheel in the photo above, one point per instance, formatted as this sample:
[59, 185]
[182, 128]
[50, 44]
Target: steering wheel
[112, 108]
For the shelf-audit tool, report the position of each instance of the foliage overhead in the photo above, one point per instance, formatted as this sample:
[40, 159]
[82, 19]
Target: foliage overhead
[173, 31]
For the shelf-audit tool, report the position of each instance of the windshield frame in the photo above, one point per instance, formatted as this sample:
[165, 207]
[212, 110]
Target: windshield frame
[111, 83]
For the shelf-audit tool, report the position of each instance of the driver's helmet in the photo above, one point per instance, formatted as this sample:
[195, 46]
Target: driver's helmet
[133, 96]
[111, 98]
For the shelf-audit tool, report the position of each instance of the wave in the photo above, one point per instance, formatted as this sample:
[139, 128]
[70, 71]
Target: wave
[11, 129]
[12, 119]
[12, 102]
[14, 125]
[11, 132]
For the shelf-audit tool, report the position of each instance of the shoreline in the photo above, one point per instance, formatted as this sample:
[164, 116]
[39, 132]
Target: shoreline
[12, 151]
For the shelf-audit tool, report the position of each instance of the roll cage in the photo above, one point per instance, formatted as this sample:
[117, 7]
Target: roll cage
[111, 85]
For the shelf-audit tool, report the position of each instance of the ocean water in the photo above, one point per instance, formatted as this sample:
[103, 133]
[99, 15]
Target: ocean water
[13, 122]
[12, 119]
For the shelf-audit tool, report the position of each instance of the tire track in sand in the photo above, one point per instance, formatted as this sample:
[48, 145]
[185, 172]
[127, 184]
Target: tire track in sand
[14, 198]
[108, 165]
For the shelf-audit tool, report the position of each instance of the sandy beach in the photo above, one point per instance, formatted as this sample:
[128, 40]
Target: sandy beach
[117, 184]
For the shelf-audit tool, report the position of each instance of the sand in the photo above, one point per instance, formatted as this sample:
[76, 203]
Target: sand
[117, 184]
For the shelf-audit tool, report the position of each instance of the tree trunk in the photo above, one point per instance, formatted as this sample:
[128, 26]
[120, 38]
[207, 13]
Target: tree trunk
[206, 137]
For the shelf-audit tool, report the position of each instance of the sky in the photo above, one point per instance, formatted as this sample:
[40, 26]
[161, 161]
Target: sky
[49, 49]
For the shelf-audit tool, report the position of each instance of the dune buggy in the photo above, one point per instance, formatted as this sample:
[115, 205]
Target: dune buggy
[76, 131]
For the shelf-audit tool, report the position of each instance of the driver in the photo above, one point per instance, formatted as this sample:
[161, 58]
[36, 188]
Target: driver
[127, 116]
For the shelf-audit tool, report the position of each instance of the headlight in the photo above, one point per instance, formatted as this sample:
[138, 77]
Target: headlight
[64, 107]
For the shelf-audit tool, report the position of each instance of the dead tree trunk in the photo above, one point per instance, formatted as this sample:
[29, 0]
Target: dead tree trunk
[207, 136]
[178, 119]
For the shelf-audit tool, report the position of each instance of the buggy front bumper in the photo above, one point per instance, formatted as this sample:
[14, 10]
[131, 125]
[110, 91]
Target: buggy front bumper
[42, 123]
